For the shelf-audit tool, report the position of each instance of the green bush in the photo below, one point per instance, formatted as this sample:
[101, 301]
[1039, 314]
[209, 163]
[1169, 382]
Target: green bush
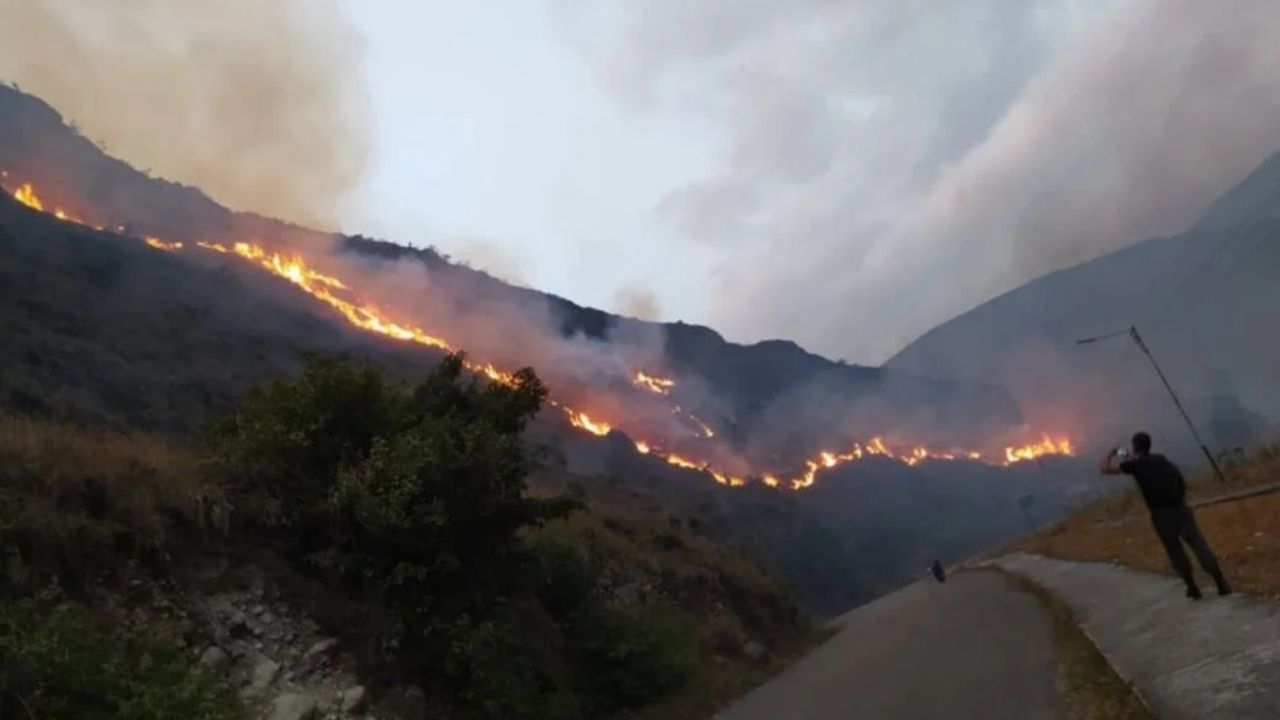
[412, 499]
[634, 658]
[56, 662]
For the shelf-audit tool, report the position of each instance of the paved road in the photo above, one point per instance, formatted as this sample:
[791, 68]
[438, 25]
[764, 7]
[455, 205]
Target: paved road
[1216, 658]
[972, 648]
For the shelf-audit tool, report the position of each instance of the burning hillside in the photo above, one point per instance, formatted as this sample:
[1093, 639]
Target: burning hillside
[701, 451]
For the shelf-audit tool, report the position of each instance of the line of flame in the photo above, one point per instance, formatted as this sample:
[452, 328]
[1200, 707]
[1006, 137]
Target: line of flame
[367, 316]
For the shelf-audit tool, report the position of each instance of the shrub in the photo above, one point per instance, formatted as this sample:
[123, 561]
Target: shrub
[289, 439]
[56, 662]
[632, 658]
[74, 501]
[412, 498]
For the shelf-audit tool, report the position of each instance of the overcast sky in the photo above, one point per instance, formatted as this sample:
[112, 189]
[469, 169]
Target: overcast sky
[843, 173]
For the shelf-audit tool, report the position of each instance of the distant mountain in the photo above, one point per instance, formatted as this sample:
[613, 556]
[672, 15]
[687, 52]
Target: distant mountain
[1206, 301]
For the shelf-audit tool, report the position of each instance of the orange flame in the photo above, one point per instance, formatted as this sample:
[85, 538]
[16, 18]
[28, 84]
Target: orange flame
[582, 420]
[367, 316]
[26, 195]
[653, 383]
[159, 244]
[1046, 446]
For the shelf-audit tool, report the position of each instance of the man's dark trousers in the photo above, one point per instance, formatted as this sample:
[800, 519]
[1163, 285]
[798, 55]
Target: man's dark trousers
[1174, 525]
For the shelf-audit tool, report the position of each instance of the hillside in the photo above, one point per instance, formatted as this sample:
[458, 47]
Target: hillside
[149, 579]
[109, 331]
[102, 329]
[1206, 302]
[764, 397]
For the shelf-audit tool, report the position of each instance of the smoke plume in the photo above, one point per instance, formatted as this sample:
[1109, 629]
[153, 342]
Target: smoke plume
[257, 103]
[638, 302]
[888, 166]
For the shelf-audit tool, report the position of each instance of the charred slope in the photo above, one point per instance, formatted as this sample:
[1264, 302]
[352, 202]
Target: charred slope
[1206, 301]
[101, 329]
[771, 394]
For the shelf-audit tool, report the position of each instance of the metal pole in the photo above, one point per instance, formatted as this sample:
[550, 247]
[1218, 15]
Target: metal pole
[1133, 332]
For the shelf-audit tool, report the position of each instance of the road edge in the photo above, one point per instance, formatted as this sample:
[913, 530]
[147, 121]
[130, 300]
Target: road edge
[1087, 688]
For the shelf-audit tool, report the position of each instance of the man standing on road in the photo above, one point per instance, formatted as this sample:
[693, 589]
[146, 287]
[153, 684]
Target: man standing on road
[1164, 490]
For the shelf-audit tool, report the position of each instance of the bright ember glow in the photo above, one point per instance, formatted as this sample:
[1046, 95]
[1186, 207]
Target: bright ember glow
[1046, 446]
[582, 420]
[26, 195]
[335, 293]
[159, 244]
[653, 383]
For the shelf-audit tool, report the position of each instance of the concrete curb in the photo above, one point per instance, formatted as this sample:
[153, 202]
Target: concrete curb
[1187, 660]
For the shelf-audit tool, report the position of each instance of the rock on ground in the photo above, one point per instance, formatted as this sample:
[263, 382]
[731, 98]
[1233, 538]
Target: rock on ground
[292, 706]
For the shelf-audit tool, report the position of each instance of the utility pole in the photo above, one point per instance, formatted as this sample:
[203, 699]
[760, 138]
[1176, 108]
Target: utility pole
[1132, 332]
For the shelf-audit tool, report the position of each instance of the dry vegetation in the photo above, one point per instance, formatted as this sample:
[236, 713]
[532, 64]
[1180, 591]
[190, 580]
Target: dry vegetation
[88, 507]
[79, 507]
[79, 498]
[1245, 533]
[646, 553]
[1092, 687]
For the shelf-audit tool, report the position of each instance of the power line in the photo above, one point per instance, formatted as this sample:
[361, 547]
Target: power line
[1132, 332]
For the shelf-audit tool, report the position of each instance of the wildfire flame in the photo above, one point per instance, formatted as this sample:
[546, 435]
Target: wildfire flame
[1046, 446]
[581, 420]
[367, 316]
[26, 195]
[159, 244]
[653, 383]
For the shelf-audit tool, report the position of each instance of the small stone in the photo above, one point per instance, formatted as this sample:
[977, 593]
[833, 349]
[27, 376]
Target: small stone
[215, 658]
[409, 703]
[322, 647]
[317, 653]
[264, 673]
[353, 699]
[292, 706]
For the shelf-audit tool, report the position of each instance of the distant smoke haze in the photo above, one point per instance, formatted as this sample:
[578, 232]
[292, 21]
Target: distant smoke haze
[890, 165]
[639, 303]
[258, 103]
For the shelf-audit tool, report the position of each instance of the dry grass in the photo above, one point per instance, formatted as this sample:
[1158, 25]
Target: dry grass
[1245, 533]
[69, 493]
[728, 600]
[1092, 687]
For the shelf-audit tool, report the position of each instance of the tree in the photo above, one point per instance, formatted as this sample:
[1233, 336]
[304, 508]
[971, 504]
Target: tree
[411, 498]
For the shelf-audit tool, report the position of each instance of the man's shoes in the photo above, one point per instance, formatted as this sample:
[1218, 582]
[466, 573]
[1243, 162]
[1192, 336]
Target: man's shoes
[1193, 592]
[1224, 589]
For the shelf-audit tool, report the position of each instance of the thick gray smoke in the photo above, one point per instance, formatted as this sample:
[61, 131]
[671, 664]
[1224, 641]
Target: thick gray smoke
[890, 166]
[258, 103]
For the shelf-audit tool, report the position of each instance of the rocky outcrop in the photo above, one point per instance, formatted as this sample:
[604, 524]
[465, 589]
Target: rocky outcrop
[278, 660]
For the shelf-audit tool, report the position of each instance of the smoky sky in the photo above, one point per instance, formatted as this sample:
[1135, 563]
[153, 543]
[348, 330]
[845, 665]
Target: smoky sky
[843, 173]
[260, 104]
[887, 166]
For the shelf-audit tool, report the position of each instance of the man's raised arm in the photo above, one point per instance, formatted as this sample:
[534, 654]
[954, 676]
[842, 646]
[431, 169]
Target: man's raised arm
[1108, 465]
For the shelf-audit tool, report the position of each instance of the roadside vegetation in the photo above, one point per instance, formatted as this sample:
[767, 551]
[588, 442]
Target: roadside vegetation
[409, 506]
[80, 507]
[1245, 533]
[1092, 688]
